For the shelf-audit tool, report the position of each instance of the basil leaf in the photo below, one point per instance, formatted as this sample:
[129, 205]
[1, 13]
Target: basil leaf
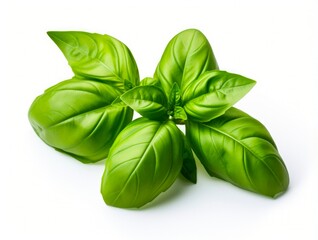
[189, 168]
[78, 117]
[98, 57]
[174, 97]
[150, 81]
[179, 115]
[239, 149]
[185, 58]
[174, 105]
[214, 93]
[149, 101]
[144, 161]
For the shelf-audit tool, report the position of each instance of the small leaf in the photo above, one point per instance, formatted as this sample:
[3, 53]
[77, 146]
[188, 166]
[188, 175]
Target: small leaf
[214, 93]
[144, 161]
[239, 149]
[149, 101]
[174, 96]
[128, 85]
[174, 105]
[179, 113]
[150, 81]
[185, 58]
[97, 57]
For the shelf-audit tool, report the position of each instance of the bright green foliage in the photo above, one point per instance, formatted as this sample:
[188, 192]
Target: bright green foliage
[240, 150]
[144, 161]
[89, 117]
[213, 93]
[175, 109]
[98, 57]
[149, 101]
[185, 58]
[77, 117]
[83, 116]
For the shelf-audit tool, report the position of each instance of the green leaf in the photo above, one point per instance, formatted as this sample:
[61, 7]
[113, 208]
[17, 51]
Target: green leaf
[189, 168]
[98, 57]
[214, 93]
[149, 101]
[150, 81]
[77, 117]
[144, 161]
[174, 105]
[174, 97]
[179, 114]
[239, 149]
[128, 85]
[185, 58]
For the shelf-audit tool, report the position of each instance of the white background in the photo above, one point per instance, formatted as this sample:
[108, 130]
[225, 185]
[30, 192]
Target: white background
[47, 195]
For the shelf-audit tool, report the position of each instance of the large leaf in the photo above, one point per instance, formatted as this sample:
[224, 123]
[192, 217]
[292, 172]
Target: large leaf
[214, 93]
[77, 117]
[98, 57]
[238, 148]
[144, 161]
[185, 58]
[148, 101]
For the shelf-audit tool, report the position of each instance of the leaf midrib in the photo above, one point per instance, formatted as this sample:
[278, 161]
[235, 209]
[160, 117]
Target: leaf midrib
[132, 101]
[216, 91]
[78, 115]
[248, 149]
[86, 54]
[139, 163]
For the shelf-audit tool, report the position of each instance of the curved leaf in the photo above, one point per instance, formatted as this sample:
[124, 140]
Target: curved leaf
[98, 57]
[239, 149]
[174, 105]
[150, 81]
[179, 115]
[77, 117]
[175, 96]
[149, 101]
[144, 161]
[214, 93]
[185, 58]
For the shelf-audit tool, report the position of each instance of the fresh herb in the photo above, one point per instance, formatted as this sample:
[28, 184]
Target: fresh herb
[89, 117]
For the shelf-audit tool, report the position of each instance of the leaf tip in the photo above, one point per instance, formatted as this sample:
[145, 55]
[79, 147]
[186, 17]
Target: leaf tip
[54, 35]
[253, 82]
[277, 195]
[191, 31]
[51, 34]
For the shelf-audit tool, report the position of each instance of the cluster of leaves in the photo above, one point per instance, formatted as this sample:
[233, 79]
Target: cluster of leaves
[90, 118]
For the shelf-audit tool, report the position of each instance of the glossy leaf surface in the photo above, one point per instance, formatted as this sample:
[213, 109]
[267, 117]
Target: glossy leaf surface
[185, 58]
[77, 117]
[214, 93]
[148, 101]
[144, 161]
[238, 148]
[98, 57]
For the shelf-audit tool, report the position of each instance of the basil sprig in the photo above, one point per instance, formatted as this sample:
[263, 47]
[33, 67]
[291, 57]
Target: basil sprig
[89, 118]
[79, 116]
